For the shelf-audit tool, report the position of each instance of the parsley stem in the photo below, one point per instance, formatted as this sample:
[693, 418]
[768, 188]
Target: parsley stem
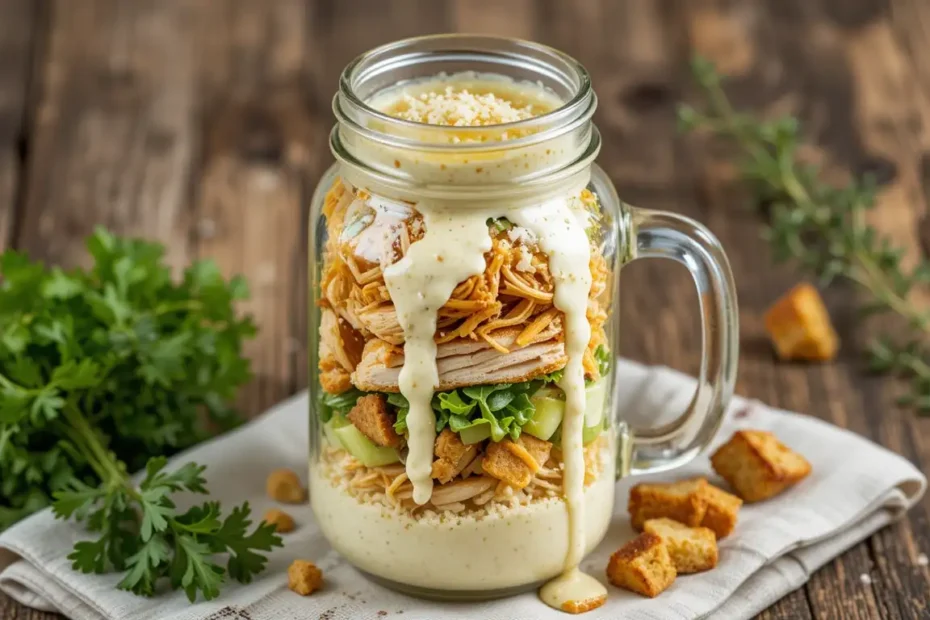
[105, 465]
[12, 384]
[167, 308]
[4, 438]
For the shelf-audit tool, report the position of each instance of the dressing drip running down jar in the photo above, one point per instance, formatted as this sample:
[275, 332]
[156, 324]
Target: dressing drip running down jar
[465, 251]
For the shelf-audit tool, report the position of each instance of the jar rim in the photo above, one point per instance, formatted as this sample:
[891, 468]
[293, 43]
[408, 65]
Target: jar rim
[351, 109]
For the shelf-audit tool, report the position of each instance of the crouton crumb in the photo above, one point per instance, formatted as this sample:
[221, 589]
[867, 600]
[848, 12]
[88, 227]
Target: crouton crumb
[580, 607]
[283, 485]
[800, 326]
[281, 521]
[758, 466]
[304, 577]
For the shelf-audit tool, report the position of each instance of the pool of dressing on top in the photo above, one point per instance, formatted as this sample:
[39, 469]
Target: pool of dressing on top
[453, 249]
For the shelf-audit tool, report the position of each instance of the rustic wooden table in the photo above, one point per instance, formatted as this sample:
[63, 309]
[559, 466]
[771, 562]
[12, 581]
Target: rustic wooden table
[204, 125]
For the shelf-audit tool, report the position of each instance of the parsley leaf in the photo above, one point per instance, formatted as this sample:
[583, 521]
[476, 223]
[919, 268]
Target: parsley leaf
[145, 566]
[192, 570]
[244, 562]
[338, 403]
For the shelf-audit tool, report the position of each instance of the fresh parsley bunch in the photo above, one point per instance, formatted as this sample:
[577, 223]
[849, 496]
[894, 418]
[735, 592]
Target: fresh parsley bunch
[104, 371]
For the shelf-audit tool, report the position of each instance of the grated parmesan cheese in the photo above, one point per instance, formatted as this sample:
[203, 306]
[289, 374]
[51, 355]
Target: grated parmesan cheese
[459, 107]
[521, 234]
[525, 264]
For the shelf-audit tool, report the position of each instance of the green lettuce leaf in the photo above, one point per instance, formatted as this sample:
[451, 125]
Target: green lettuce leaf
[506, 407]
[338, 403]
[602, 355]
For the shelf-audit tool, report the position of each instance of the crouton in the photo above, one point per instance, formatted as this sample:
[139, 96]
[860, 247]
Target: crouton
[722, 511]
[643, 565]
[682, 501]
[304, 577]
[580, 607]
[692, 549]
[334, 379]
[452, 456]
[372, 416]
[281, 521]
[800, 327]
[515, 462]
[758, 466]
[283, 485]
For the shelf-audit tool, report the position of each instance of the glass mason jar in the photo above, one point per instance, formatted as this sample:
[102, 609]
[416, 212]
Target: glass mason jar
[463, 328]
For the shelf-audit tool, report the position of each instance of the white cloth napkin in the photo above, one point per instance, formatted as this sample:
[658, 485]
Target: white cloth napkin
[856, 487]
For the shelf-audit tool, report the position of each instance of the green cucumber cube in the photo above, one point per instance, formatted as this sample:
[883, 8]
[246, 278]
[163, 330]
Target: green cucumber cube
[595, 402]
[362, 448]
[546, 419]
[475, 434]
[329, 429]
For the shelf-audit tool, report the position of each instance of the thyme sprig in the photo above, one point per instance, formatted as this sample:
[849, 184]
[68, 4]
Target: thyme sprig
[821, 227]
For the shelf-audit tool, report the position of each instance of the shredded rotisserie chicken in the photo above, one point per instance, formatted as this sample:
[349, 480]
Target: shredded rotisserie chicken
[507, 310]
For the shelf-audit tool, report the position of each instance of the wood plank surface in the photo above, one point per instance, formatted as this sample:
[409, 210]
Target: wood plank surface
[205, 126]
[19, 40]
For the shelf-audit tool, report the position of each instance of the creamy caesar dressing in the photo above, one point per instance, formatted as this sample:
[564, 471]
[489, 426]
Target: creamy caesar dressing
[508, 548]
[488, 154]
[549, 539]
[515, 101]
[451, 251]
[564, 240]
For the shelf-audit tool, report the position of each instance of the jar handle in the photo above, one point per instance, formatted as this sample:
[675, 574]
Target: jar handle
[659, 234]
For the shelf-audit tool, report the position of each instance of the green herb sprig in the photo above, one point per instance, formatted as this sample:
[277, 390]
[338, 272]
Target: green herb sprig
[104, 371]
[142, 533]
[821, 227]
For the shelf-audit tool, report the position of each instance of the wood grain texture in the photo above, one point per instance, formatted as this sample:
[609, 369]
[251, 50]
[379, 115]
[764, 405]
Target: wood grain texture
[251, 189]
[19, 38]
[113, 140]
[205, 125]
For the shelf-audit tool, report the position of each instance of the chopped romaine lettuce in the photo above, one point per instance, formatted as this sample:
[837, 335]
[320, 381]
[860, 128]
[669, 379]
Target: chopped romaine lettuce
[500, 224]
[602, 355]
[504, 407]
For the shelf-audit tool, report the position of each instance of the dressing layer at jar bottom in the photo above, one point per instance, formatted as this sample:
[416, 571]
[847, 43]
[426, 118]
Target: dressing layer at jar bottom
[512, 547]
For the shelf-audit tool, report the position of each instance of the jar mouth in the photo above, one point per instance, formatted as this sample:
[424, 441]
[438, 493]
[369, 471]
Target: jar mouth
[573, 173]
[428, 56]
